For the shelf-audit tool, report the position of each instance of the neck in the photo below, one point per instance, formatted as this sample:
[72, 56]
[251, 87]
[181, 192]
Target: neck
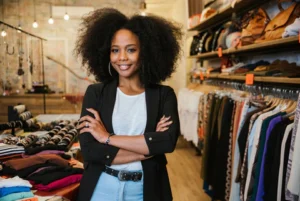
[132, 83]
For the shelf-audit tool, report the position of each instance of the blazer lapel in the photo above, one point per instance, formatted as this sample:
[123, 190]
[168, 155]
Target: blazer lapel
[152, 104]
[109, 99]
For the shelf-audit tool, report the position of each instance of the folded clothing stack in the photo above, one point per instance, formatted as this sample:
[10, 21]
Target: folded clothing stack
[6, 150]
[15, 188]
[46, 172]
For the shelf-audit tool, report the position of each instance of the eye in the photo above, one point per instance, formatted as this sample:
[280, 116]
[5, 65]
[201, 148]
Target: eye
[131, 50]
[114, 50]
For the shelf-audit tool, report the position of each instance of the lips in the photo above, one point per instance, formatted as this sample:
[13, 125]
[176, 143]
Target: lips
[124, 66]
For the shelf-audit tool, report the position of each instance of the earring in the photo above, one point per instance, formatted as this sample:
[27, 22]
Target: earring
[109, 69]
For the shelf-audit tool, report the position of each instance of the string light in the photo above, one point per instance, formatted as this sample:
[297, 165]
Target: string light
[50, 21]
[19, 16]
[19, 27]
[143, 7]
[66, 17]
[35, 24]
[3, 33]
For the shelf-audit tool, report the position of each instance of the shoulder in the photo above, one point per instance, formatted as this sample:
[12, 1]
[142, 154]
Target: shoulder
[95, 86]
[163, 88]
[166, 92]
[94, 90]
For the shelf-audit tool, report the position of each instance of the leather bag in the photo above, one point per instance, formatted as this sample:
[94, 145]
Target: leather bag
[276, 26]
[253, 24]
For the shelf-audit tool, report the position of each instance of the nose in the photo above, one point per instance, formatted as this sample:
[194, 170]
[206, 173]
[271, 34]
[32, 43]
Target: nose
[123, 56]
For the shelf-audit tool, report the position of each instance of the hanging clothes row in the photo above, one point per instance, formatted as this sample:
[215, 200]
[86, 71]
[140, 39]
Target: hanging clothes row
[247, 146]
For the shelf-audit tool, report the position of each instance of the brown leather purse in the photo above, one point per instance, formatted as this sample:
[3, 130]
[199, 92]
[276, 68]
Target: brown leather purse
[276, 26]
[253, 24]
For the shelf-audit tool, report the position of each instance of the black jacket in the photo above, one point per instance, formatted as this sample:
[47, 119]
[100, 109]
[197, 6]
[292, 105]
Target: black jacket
[160, 100]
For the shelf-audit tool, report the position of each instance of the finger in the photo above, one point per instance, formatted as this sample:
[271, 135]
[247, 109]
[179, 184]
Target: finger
[95, 113]
[164, 129]
[88, 118]
[86, 130]
[162, 117]
[161, 129]
[85, 124]
[163, 121]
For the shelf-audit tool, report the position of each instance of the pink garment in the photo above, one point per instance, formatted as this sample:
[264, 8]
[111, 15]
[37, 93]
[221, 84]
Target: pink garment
[57, 152]
[58, 183]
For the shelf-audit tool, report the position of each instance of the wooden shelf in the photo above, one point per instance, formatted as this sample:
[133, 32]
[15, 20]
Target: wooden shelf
[288, 44]
[281, 80]
[225, 14]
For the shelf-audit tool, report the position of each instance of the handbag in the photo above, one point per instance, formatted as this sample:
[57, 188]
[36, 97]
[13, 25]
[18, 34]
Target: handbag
[201, 44]
[253, 25]
[194, 44]
[276, 26]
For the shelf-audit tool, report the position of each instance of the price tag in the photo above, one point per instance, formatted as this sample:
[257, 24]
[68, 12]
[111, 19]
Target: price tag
[220, 52]
[249, 79]
[201, 76]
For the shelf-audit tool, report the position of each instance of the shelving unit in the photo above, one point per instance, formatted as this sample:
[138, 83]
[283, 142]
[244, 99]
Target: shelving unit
[226, 13]
[290, 44]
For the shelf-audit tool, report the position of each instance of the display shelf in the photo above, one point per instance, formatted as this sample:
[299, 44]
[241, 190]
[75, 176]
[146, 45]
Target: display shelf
[281, 80]
[288, 44]
[225, 14]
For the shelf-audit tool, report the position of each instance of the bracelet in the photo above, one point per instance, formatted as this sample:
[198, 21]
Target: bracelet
[108, 138]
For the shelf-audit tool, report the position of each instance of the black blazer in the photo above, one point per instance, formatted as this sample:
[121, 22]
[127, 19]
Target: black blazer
[160, 100]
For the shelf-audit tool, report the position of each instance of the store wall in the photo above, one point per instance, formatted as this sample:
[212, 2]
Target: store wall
[61, 37]
[179, 15]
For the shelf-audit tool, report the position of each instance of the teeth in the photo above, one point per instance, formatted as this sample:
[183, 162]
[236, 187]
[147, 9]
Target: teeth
[124, 67]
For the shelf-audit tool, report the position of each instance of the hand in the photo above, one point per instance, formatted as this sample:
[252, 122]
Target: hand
[163, 124]
[93, 126]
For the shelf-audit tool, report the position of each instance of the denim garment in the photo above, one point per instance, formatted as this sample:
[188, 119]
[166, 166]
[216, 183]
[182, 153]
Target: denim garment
[110, 188]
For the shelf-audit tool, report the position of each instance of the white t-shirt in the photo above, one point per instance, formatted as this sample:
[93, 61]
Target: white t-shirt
[129, 118]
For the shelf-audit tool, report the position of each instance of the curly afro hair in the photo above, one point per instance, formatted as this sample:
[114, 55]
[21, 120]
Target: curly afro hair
[159, 44]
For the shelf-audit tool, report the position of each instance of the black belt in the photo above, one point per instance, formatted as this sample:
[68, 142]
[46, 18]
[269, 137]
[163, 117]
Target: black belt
[124, 175]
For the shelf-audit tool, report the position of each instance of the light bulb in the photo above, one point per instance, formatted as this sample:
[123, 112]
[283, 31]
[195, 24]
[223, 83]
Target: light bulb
[3, 33]
[143, 13]
[35, 24]
[66, 17]
[50, 21]
[19, 27]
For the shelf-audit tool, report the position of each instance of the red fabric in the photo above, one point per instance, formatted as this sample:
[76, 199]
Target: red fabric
[58, 183]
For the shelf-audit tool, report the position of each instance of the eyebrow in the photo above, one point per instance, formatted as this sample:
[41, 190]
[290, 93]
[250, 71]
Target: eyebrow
[125, 46]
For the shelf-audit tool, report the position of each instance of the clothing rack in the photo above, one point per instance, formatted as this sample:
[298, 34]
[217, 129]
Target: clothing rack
[280, 91]
[42, 56]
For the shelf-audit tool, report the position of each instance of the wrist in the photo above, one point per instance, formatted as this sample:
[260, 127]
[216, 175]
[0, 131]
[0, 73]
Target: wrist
[108, 138]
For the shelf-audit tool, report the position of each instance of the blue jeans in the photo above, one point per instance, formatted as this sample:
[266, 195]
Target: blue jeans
[110, 188]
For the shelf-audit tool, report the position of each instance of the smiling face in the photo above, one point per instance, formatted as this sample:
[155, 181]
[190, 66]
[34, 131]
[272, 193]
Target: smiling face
[124, 54]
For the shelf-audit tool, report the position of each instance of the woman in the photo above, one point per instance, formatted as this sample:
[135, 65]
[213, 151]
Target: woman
[128, 122]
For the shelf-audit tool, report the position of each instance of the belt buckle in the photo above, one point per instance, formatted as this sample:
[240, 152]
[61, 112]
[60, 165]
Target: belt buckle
[121, 176]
